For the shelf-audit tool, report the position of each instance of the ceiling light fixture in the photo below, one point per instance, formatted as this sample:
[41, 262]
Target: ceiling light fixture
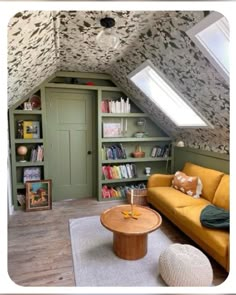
[107, 39]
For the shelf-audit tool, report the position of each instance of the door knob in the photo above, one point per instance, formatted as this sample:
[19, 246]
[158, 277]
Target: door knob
[89, 152]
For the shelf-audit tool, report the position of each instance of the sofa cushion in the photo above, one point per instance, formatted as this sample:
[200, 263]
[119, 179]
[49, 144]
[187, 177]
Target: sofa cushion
[210, 178]
[221, 198]
[172, 198]
[190, 185]
[217, 239]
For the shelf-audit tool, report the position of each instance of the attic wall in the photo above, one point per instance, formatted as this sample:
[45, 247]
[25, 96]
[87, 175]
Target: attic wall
[31, 52]
[166, 44]
[42, 42]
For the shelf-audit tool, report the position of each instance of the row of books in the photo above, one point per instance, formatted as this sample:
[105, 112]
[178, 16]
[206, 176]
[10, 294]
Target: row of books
[113, 152]
[37, 154]
[119, 191]
[115, 106]
[158, 151]
[119, 172]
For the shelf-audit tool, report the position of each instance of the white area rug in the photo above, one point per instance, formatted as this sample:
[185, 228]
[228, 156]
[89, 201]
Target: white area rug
[95, 263]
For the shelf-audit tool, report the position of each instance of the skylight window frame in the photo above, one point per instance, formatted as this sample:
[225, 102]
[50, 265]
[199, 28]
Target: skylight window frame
[162, 76]
[209, 20]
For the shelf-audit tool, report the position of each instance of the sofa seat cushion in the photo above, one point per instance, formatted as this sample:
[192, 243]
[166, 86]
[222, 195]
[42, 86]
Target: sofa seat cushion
[210, 178]
[218, 240]
[221, 198]
[171, 198]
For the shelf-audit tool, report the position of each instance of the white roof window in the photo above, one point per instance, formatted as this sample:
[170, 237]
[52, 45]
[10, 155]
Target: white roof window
[155, 86]
[211, 35]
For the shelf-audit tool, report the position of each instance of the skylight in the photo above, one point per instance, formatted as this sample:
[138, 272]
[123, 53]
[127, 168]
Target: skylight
[211, 35]
[155, 86]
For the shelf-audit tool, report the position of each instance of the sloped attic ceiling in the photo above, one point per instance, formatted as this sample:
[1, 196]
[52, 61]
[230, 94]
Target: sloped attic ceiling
[42, 42]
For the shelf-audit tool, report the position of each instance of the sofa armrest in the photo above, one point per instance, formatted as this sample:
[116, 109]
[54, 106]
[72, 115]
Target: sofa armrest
[160, 180]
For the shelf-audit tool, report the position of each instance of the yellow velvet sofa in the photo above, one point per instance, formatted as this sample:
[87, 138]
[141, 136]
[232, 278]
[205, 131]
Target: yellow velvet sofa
[184, 211]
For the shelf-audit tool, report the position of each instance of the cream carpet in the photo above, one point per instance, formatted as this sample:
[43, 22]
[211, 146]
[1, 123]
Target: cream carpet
[95, 263]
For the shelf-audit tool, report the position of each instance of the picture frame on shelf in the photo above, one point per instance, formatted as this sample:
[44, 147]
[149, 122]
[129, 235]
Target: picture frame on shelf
[38, 195]
[112, 130]
[31, 173]
[31, 129]
[27, 106]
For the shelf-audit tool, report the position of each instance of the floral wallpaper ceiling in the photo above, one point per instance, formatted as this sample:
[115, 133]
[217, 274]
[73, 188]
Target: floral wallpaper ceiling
[43, 42]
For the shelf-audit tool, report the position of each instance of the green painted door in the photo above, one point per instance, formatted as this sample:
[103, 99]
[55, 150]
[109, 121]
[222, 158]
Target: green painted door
[69, 115]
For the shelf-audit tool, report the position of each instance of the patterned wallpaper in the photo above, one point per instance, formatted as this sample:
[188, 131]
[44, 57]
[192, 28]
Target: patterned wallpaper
[42, 42]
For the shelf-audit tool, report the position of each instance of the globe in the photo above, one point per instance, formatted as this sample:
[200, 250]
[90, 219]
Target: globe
[22, 151]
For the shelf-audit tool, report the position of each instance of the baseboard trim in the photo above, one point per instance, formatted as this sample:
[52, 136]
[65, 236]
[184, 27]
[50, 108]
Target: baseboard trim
[11, 210]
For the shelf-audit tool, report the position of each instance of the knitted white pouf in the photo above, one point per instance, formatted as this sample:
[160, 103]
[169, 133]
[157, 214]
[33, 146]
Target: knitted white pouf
[185, 265]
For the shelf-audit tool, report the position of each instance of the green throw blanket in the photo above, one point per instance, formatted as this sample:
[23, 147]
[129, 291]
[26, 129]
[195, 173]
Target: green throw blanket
[215, 217]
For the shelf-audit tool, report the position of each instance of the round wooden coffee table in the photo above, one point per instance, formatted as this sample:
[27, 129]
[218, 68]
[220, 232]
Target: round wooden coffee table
[130, 235]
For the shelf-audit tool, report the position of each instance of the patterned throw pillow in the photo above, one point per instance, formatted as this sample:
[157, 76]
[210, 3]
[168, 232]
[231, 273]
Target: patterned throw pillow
[190, 185]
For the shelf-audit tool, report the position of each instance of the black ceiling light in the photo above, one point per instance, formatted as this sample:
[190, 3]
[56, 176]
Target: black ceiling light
[107, 39]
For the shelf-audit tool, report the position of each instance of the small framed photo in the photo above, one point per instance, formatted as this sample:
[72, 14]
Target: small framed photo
[111, 129]
[27, 106]
[38, 195]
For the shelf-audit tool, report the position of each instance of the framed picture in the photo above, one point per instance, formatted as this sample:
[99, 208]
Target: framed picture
[31, 173]
[38, 195]
[31, 129]
[111, 129]
[27, 106]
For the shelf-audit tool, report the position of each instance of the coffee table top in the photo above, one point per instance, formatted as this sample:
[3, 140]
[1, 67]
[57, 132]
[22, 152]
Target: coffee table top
[114, 220]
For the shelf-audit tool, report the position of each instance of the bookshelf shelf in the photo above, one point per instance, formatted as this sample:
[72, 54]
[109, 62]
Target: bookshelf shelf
[29, 112]
[135, 139]
[25, 123]
[124, 180]
[135, 160]
[20, 185]
[124, 115]
[115, 156]
[29, 140]
[29, 164]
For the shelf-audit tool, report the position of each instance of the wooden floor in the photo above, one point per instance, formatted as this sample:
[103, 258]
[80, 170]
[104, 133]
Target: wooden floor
[39, 252]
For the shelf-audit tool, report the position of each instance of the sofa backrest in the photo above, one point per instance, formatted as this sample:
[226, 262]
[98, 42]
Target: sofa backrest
[210, 178]
[221, 197]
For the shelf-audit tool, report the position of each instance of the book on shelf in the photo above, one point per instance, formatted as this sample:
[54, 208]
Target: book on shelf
[158, 151]
[19, 129]
[113, 152]
[31, 129]
[119, 191]
[31, 173]
[37, 154]
[115, 106]
[119, 172]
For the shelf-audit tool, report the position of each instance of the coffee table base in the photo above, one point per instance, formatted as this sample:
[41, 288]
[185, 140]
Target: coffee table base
[130, 247]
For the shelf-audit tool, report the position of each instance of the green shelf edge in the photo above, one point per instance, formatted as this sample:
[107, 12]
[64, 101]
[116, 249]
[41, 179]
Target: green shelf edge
[134, 160]
[135, 139]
